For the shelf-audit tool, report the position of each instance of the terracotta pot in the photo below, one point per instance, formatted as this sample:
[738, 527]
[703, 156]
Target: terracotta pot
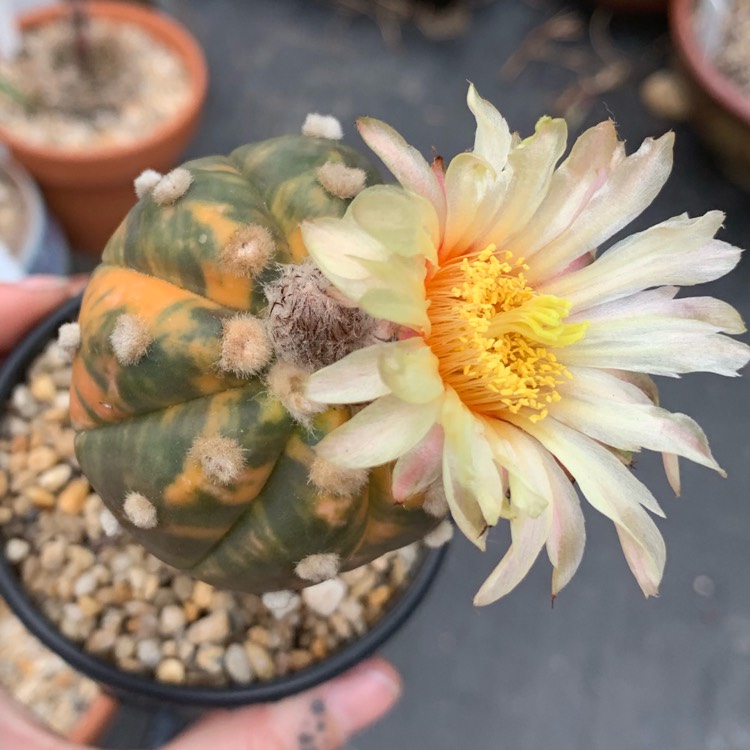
[720, 109]
[94, 720]
[91, 191]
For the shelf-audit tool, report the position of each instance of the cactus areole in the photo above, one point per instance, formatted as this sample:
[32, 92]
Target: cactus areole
[198, 331]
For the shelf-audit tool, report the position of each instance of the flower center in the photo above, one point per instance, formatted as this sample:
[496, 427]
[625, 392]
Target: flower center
[492, 334]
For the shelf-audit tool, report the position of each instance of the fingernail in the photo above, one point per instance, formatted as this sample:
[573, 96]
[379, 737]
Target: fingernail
[363, 694]
[39, 283]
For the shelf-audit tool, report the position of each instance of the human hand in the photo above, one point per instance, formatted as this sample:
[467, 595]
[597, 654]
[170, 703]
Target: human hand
[320, 719]
[24, 303]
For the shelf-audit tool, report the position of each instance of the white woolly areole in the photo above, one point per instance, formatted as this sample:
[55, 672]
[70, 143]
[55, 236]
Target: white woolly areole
[141, 512]
[221, 458]
[317, 568]
[248, 251]
[435, 503]
[130, 339]
[286, 382]
[322, 126]
[340, 180]
[110, 525]
[69, 338]
[245, 348]
[336, 479]
[440, 535]
[146, 182]
[172, 186]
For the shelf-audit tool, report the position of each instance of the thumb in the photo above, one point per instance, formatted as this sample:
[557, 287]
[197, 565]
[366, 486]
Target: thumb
[321, 719]
[24, 303]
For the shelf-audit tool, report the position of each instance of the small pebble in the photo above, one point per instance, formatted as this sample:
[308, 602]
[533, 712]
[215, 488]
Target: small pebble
[212, 628]
[171, 670]
[325, 597]
[260, 661]
[237, 664]
[16, 550]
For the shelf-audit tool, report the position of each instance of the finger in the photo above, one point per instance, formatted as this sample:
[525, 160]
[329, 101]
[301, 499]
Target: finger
[320, 719]
[19, 730]
[25, 303]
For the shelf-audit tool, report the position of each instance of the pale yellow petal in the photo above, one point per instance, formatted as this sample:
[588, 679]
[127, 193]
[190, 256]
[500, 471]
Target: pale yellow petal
[410, 370]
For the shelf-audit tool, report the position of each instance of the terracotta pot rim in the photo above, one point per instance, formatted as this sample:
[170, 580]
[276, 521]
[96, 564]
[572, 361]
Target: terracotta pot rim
[133, 687]
[716, 84]
[175, 36]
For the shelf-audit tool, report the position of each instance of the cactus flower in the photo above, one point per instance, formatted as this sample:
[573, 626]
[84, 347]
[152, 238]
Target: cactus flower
[520, 359]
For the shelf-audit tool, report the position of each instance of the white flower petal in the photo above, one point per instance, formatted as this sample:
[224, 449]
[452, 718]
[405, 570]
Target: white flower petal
[462, 503]
[492, 140]
[631, 427]
[475, 468]
[410, 370]
[404, 223]
[528, 537]
[533, 162]
[408, 166]
[631, 186]
[468, 180]
[611, 489]
[678, 251]
[720, 316]
[593, 156]
[381, 432]
[417, 469]
[672, 470]
[353, 379]
[656, 345]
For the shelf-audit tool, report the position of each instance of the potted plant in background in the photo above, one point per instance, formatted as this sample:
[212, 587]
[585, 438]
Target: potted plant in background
[317, 368]
[100, 92]
[711, 43]
[30, 239]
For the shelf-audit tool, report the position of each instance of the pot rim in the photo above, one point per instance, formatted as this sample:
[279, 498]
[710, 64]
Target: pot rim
[130, 685]
[167, 30]
[718, 86]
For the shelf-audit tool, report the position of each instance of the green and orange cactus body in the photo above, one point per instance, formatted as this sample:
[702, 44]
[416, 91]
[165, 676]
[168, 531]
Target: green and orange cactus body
[187, 386]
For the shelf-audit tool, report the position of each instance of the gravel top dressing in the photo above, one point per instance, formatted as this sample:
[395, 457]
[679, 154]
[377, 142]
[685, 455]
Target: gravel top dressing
[108, 594]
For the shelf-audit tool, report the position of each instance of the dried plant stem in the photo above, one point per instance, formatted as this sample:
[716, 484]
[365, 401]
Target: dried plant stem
[80, 20]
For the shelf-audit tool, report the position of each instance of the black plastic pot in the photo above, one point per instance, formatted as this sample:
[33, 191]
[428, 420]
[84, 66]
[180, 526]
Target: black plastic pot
[135, 688]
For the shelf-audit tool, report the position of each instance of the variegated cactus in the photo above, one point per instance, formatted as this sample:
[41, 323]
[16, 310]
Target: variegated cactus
[197, 334]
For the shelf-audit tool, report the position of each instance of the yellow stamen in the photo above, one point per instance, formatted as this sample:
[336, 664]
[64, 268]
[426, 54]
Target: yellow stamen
[492, 334]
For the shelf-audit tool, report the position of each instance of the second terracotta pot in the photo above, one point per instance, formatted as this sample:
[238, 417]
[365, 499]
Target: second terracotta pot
[91, 191]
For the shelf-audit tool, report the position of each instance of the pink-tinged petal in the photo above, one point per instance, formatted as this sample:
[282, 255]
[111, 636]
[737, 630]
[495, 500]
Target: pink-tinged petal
[354, 379]
[416, 470]
[408, 166]
[672, 470]
[528, 536]
[630, 188]
[493, 139]
[567, 535]
[656, 345]
[475, 469]
[644, 566]
[403, 222]
[532, 162]
[720, 316]
[592, 158]
[381, 432]
[679, 251]
[612, 490]
[410, 370]
[631, 427]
